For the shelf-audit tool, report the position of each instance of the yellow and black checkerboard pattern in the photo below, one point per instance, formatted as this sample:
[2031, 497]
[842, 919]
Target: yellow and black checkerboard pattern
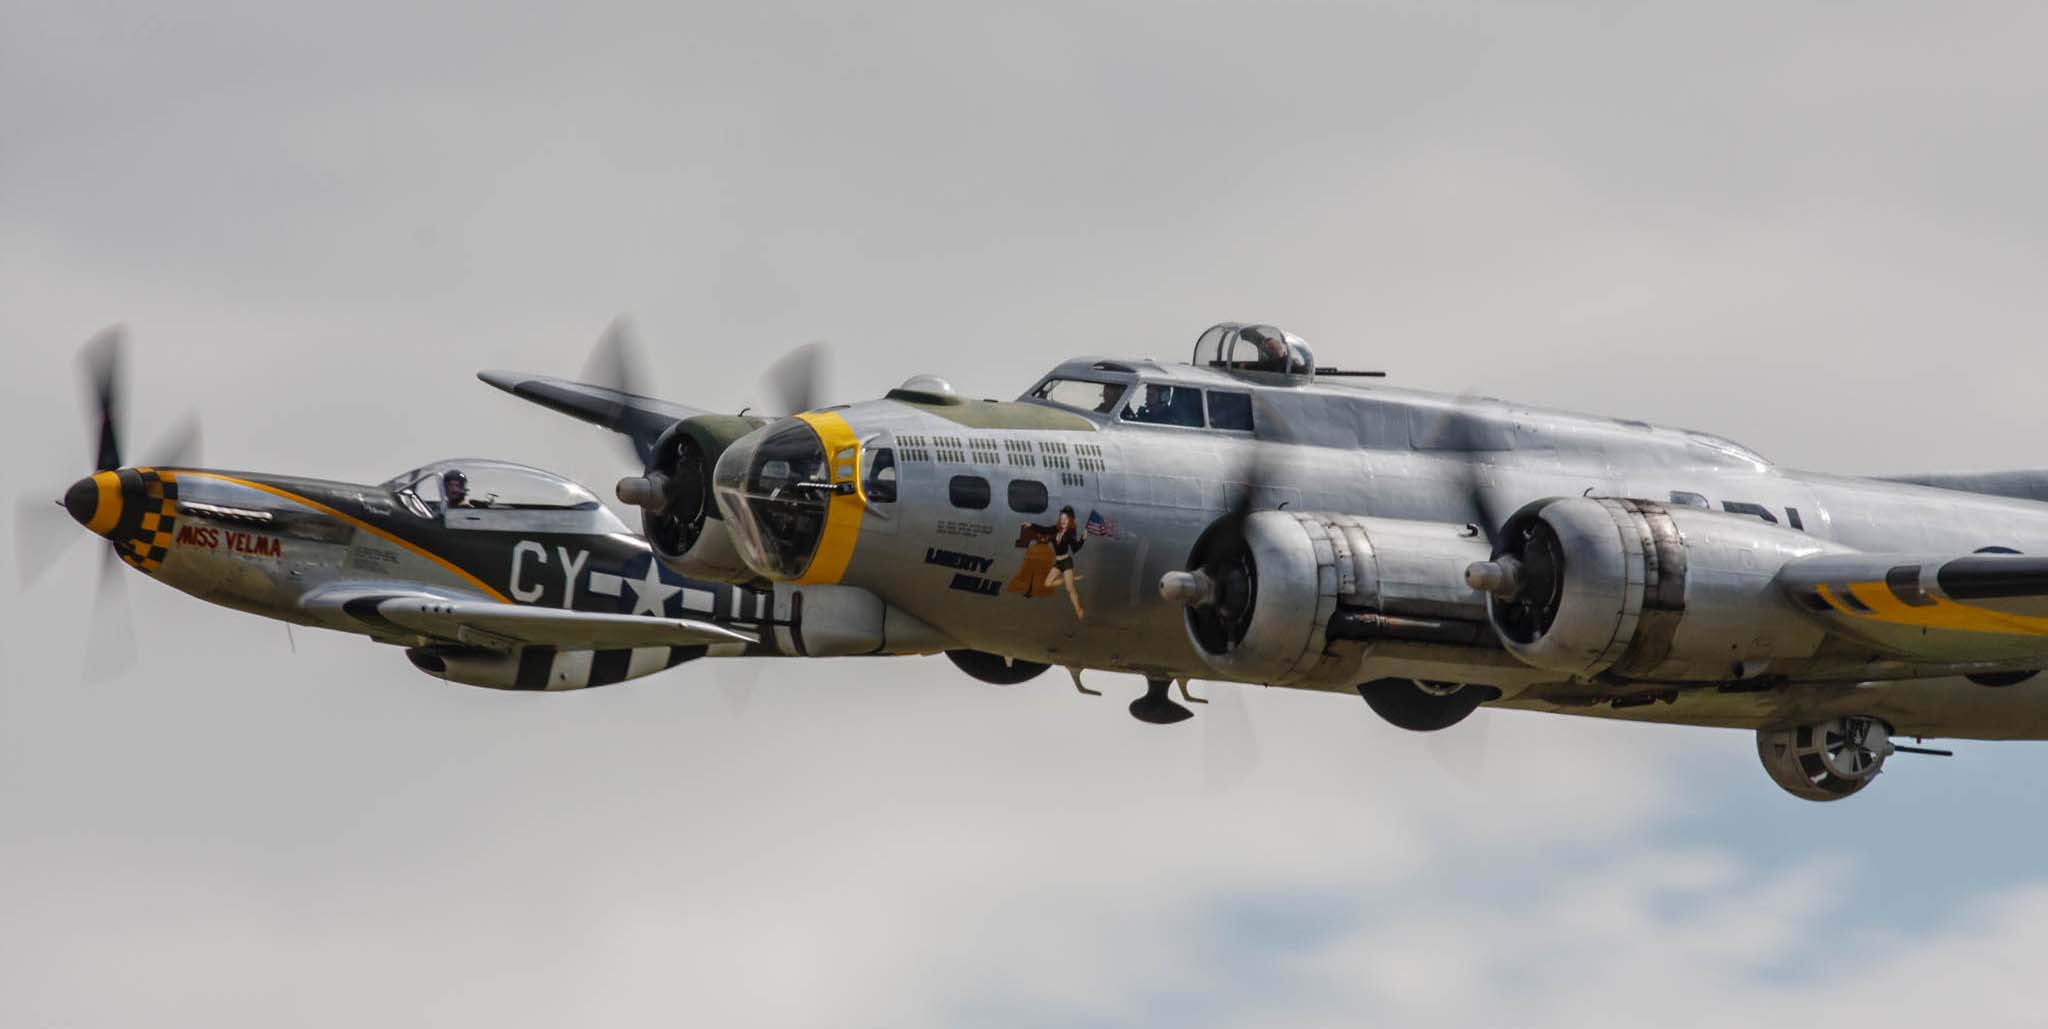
[151, 541]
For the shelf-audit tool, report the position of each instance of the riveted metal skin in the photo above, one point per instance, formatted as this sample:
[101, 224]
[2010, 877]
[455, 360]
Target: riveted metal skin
[1731, 592]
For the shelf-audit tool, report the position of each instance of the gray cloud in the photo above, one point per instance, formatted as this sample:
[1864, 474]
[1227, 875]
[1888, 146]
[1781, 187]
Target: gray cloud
[1809, 229]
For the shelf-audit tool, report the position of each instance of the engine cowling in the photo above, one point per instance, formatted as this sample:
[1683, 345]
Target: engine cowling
[677, 512]
[1269, 592]
[1636, 591]
[1828, 760]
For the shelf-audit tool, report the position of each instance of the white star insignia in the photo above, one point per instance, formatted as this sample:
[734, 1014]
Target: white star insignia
[650, 594]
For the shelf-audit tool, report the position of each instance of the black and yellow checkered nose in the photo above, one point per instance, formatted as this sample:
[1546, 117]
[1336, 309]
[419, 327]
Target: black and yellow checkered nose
[133, 507]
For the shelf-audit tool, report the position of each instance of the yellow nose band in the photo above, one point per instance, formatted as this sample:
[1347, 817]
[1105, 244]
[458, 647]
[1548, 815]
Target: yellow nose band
[108, 512]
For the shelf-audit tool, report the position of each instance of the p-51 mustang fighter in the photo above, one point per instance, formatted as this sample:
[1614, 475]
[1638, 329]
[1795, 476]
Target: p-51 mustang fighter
[1253, 517]
[489, 573]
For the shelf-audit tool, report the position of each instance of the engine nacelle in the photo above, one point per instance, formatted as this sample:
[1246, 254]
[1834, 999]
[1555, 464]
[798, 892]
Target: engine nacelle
[1268, 593]
[677, 512]
[545, 668]
[1827, 761]
[1637, 591]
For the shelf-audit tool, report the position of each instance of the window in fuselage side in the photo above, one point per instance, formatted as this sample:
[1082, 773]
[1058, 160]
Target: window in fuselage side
[881, 477]
[1231, 412]
[1158, 403]
[1029, 496]
[970, 492]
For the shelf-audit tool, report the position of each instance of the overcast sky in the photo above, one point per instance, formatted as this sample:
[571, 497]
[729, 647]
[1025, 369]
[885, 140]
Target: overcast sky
[1817, 229]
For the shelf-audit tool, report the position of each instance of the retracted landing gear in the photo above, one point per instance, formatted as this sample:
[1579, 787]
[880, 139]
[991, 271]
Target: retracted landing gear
[1424, 706]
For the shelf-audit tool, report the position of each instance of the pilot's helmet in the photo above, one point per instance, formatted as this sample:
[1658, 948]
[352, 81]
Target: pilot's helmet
[454, 484]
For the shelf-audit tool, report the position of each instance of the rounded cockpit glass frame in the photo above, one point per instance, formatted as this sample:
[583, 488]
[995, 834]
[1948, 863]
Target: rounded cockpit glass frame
[1238, 347]
[775, 488]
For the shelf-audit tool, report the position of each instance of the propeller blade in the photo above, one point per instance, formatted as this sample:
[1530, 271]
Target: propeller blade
[798, 379]
[1461, 750]
[42, 532]
[110, 642]
[735, 678]
[616, 363]
[179, 448]
[102, 360]
[1230, 747]
[1226, 558]
[1458, 430]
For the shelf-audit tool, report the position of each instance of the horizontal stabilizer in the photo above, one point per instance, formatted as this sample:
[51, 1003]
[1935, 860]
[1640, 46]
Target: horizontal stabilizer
[641, 419]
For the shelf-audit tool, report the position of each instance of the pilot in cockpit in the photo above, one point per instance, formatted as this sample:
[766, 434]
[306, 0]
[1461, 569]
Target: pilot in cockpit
[455, 489]
[1154, 408]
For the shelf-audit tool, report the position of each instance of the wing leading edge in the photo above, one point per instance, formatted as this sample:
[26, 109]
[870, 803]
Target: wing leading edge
[641, 419]
[399, 616]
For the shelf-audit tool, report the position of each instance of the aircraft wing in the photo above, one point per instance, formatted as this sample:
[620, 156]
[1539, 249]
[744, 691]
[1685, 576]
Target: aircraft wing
[1981, 607]
[2016, 485]
[397, 614]
[641, 419]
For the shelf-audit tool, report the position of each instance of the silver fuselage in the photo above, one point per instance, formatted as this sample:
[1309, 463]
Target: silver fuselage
[1151, 490]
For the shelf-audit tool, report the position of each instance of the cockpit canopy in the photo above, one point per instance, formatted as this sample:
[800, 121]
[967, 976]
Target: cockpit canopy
[1234, 346]
[491, 485]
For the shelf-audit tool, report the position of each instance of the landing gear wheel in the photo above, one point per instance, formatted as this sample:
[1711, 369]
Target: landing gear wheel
[1423, 707]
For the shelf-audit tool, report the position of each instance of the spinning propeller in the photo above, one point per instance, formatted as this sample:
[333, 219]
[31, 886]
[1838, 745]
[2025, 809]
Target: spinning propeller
[673, 489]
[40, 535]
[1221, 584]
[1219, 590]
[1525, 575]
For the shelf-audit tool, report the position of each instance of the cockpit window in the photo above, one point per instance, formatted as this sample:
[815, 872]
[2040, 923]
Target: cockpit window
[1081, 394]
[1159, 403]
